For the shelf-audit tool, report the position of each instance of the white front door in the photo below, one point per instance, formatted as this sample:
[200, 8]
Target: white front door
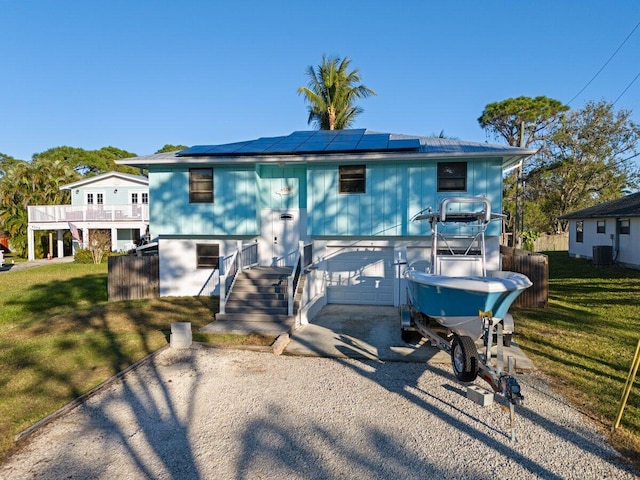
[280, 236]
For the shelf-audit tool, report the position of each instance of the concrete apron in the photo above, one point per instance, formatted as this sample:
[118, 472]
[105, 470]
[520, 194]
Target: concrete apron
[371, 332]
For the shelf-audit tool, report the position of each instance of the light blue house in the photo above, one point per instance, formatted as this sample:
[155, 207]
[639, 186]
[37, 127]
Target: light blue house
[114, 201]
[336, 203]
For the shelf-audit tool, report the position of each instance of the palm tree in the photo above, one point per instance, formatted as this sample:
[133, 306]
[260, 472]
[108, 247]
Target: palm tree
[35, 183]
[331, 93]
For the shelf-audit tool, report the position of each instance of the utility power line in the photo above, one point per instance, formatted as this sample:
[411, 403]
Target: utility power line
[605, 64]
[628, 86]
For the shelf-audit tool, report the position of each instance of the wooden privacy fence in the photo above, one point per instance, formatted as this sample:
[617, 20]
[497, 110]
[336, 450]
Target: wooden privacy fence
[132, 278]
[536, 267]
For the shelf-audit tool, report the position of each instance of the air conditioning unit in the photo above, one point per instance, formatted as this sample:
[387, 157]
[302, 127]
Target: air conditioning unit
[602, 255]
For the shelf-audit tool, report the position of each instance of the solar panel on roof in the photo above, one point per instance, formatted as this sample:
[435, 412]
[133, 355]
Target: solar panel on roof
[195, 150]
[373, 142]
[311, 147]
[341, 146]
[404, 144]
[313, 141]
[352, 132]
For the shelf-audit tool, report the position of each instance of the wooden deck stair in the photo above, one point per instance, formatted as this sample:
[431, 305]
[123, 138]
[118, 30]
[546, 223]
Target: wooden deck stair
[258, 303]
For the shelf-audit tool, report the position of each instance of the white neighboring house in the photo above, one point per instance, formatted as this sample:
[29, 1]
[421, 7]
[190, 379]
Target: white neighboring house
[113, 201]
[614, 224]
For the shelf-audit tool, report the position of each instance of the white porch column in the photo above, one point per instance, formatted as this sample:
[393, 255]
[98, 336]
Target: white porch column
[85, 238]
[114, 239]
[60, 244]
[31, 246]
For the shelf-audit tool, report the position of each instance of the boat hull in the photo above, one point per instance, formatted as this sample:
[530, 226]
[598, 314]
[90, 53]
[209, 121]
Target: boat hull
[455, 302]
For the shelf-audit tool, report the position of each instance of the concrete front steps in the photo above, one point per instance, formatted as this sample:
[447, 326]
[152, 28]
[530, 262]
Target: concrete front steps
[257, 304]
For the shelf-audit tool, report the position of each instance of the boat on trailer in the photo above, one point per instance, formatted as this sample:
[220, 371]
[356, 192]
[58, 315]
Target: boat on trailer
[456, 301]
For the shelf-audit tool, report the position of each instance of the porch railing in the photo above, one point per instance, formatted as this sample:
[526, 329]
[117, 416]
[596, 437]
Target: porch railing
[210, 285]
[230, 267]
[301, 260]
[249, 255]
[87, 213]
[245, 256]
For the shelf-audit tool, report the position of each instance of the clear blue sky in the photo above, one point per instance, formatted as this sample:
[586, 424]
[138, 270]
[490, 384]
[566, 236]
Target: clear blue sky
[137, 74]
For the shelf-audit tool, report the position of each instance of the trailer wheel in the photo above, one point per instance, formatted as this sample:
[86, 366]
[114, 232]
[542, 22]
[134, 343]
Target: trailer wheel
[464, 358]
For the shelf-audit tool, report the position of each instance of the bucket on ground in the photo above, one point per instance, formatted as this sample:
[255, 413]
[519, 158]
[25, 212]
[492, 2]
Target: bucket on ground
[180, 335]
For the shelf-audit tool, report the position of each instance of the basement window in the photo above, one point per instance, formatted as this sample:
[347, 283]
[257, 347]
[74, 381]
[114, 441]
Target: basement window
[201, 185]
[352, 178]
[208, 255]
[452, 176]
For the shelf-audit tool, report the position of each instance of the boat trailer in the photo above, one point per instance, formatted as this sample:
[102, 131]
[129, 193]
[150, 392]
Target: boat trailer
[467, 362]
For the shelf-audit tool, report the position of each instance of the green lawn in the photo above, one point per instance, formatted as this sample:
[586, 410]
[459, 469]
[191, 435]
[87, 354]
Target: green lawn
[59, 337]
[586, 338]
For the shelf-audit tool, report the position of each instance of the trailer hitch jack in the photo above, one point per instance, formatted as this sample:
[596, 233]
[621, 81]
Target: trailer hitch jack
[511, 389]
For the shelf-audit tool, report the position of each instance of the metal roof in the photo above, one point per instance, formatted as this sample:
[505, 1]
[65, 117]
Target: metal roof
[342, 141]
[334, 146]
[88, 180]
[628, 206]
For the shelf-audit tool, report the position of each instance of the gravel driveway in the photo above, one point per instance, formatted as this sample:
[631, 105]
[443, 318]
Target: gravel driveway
[227, 414]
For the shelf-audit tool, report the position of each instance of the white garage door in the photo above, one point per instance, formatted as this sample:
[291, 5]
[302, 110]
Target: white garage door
[360, 276]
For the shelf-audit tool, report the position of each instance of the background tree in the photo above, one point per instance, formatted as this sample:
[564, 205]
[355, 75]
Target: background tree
[99, 244]
[172, 148]
[588, 159]
[88, 162]
[5, 162]
[331, 93]
[35, 183]
[533, 117]
[520, 122]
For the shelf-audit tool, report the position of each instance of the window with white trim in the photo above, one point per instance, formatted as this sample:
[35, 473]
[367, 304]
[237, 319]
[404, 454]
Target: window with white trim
[624, 226]
[601, 226]
[145, 198]
[89, 198]
[134, 198]
[99, 198]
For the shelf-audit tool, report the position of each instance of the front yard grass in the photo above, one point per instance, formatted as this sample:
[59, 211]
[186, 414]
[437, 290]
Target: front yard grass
[59, 337]
[585, 341]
